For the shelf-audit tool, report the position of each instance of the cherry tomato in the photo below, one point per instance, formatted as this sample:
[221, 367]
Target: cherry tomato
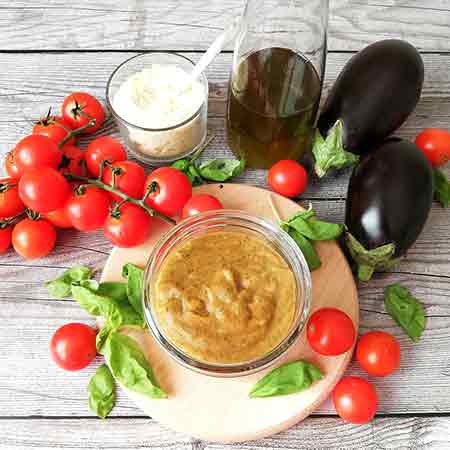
[10, 202]
[5, 239]
[128, 227]
[288, 178]
[435, 143]
[330, 332]
[72, 347]
[80, 108]
[33, 239]
[54, 127]
[104, 148]
[58, 218]
[88, 208]
[36, 151]
[72, 160]
[171, 189]
[378, 353]
[200, 203]
[43, 190]
[130, 178]
[355, 400]
[10, 165]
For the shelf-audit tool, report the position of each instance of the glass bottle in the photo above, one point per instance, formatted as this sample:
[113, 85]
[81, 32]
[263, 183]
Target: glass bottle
[276, 80]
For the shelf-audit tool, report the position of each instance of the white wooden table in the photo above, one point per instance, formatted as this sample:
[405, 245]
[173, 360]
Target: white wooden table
[50, 48]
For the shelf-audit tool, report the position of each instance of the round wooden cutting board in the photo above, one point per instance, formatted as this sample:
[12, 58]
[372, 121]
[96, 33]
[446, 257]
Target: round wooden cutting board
[219, 409]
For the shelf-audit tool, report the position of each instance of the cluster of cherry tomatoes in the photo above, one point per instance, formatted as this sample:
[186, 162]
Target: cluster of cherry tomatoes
[53, 184]
[330, 332]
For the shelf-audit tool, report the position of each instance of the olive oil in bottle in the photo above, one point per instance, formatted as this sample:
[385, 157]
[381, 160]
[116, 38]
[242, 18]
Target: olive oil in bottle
[273, 99]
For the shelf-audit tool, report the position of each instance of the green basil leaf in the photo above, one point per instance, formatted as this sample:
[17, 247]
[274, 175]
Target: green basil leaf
[135, 277]
[61, 287]
[315, 230]
[441, 188]
[307, 248]
[114, 290]
[190, 170]
[182, 165]
[130, 367]
[102, 395]
[101, 337]
[221, 169]
[287, 379]
[406, 310]
[115, 313]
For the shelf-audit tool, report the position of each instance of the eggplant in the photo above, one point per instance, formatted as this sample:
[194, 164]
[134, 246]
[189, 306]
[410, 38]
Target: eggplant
[389, 197]
[373, 95]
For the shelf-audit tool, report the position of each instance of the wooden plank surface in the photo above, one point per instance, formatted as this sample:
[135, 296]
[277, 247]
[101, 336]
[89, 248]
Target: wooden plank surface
[44, 407]
[317, 433]
[192, 24]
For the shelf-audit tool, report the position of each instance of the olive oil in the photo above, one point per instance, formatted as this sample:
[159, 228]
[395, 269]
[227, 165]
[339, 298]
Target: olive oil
[273, 99]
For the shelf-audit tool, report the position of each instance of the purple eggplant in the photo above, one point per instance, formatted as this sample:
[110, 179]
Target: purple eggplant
[373, 95]
[388, 201]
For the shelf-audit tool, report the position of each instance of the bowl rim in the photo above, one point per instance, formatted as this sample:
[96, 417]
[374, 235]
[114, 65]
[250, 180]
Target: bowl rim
[151, 53]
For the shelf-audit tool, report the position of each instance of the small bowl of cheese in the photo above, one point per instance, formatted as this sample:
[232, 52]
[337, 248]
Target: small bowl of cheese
[161, 113]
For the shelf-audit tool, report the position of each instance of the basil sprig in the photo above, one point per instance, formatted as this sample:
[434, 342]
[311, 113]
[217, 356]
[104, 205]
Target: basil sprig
[441, 188]
[129, 365]
[287, 379]
[406, 310]
[101, 391]
[120, 305]
[305, 229]
[61, 287]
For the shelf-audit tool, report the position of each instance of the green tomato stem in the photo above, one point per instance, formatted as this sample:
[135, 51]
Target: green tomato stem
[106, 187]
[76, 132]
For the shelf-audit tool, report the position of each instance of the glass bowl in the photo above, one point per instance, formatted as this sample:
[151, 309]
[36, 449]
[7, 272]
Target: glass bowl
[159, 146]
[229, 220]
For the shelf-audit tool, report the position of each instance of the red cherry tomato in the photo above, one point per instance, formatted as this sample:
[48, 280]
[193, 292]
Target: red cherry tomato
[171, 189]
[54, 127]
[33, 239]
[72, 160]
[58, 218]
[10, 165]
[355, 400]
[72, 347]
[88, 208]
[80, 108]
[330, 332]
[5, 239]
[378, 353]
[10, 202]
[128, 227]
[200, 203]
[35, 152]
[435, 143]
[43, 190]
[102, 149]
[288, 178]
[130, 178]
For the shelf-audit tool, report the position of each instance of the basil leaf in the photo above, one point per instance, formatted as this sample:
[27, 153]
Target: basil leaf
[114, 290]
[61, 287]
[135, 277]
[315, 230]
[287, 379]
[101, 337]
[221, 169]
[307, 248]
[406, 310]
[182, 165]
[102, 396]
[441, 188]
[115, 313]
[130, 367]
[190, 170]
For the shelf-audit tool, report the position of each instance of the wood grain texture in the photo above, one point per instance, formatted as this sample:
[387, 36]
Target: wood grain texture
[317, 433]
[38, 388]
[171, 24]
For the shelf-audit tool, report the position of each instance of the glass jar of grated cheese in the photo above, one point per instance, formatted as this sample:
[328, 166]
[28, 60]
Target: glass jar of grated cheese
[161, 114]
